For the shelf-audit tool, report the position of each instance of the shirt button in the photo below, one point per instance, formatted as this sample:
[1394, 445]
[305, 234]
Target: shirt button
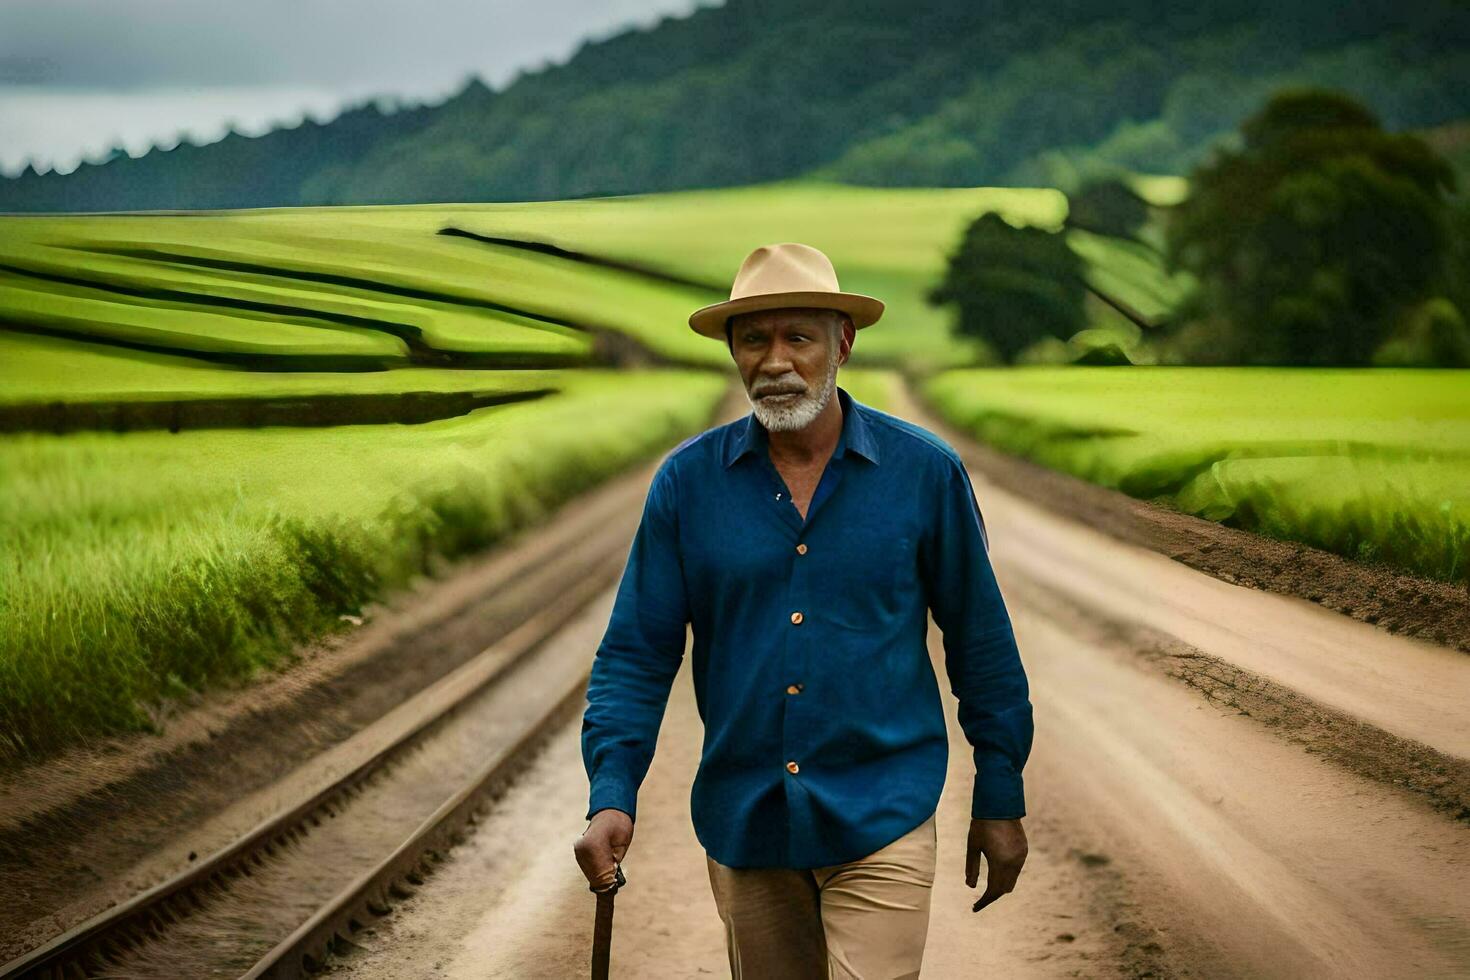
[796, 617]
[793, 688]
[801, 548]
[792, 767]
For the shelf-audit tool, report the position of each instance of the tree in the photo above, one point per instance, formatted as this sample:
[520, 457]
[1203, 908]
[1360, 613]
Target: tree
[1013, 286]
[1431, 334]
[1314, 236]
[1107, 206]
[1457, 258]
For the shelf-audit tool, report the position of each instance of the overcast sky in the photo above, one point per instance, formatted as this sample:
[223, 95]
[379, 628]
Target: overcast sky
[80, 76]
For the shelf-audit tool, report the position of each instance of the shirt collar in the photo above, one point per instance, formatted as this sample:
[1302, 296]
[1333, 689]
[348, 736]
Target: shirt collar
[748, 435]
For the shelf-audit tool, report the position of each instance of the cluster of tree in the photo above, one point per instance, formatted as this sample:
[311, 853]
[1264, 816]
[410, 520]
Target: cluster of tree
[275, 169]
[1013, 286]
[1411, 74]
[884, 92]
[1023, 292]
[1107, 206]
[1322, 240]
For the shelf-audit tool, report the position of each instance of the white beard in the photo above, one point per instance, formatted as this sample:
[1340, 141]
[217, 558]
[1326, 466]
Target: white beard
[801, 410]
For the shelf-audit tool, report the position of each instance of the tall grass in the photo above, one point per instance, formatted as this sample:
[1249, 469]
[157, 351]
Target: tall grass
[1373, 464]
[137, 567]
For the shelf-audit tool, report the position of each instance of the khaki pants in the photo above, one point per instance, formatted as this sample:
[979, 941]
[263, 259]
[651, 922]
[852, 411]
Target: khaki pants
[866, 919]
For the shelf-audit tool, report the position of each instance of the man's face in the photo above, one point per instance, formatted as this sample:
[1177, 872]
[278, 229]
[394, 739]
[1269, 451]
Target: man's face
[788, 360]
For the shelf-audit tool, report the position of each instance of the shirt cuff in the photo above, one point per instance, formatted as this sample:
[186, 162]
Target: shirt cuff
[612, 791]
[999, 789]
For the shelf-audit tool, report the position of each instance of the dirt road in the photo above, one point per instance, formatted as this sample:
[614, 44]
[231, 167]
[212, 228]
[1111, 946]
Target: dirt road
[1212, 793]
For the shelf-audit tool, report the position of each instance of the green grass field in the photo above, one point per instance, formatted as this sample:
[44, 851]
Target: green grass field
[137, 562]
[139, 566]
[1370, 463]
[385, 287]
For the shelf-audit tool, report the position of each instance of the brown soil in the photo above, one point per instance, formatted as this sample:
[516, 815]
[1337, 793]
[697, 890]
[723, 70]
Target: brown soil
[1171, 834]
[1188, 816]
[1077, 914]
[1438, 778]
[1383, 596]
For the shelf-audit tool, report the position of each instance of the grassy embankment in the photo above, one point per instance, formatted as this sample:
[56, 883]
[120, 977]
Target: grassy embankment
[140, 566]
[1373, 464]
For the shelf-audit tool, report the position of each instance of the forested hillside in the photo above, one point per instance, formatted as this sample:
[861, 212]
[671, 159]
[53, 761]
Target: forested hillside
[881, 92]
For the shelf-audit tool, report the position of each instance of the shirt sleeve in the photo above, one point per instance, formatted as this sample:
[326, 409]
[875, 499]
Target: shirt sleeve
[980, 652]
[640, 653]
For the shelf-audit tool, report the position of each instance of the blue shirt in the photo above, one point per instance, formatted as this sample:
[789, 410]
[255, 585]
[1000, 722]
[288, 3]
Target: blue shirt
[824, 730]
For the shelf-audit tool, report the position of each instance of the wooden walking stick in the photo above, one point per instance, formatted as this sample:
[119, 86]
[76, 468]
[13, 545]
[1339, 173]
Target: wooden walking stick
[602, 927]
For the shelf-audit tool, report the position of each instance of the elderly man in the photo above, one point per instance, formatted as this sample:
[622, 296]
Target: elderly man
[807, 543]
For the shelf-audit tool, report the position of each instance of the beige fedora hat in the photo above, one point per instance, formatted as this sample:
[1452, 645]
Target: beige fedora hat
[781, 275]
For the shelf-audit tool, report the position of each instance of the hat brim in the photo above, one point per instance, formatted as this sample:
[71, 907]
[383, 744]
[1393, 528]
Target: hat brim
[710, 320]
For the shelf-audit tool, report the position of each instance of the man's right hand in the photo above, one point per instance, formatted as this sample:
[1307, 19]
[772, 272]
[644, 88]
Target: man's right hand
[601, 847]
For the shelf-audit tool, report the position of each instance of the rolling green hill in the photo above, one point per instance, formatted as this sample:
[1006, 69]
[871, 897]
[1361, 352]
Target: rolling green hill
[537, 285]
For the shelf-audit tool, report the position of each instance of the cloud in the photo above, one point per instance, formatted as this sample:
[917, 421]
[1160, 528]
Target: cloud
[80, 76]
[403, 47]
